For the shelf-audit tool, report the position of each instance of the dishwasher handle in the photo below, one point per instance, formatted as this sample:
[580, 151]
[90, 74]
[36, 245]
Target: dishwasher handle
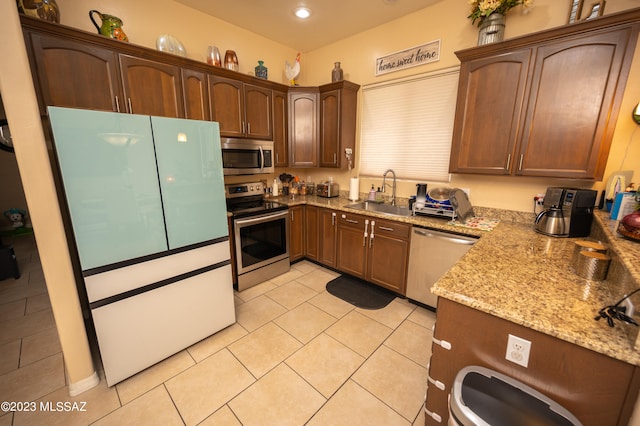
[451, 239]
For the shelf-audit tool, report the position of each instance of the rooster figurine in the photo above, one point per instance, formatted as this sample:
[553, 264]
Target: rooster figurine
[292, 71]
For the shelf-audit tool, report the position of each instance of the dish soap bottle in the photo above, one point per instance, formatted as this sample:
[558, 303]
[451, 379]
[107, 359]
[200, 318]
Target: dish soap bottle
[379, 197]
[372, 193]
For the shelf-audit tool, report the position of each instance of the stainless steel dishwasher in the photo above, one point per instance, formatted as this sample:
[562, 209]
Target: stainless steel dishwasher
[432, 254]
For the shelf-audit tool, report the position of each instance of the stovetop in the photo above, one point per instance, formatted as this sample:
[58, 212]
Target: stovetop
[247, 199]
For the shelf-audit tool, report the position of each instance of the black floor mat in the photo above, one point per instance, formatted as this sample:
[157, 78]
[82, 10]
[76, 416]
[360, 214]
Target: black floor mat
[359, 293]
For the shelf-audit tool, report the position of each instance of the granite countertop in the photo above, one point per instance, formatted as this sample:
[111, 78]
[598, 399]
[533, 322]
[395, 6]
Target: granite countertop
[527, 278]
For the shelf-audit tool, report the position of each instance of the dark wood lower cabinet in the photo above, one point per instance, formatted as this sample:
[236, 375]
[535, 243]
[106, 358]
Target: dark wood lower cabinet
[595, 388]
[296, 233]
[327, 231]
[351, 244]
[373, 249]
[311, 242]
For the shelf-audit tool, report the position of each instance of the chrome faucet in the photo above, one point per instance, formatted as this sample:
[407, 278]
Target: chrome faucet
[393, 186]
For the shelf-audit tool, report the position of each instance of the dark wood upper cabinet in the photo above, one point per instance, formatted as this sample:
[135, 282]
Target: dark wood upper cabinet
[338, 105]
[544, 104]
[151, 88]
[78, 69]
[485, 137]
[280, 141]
[195, 94]
[95, 83]
[303, 127]
[243, 110]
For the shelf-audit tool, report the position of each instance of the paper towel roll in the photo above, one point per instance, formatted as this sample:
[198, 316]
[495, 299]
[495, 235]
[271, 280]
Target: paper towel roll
[354, 189]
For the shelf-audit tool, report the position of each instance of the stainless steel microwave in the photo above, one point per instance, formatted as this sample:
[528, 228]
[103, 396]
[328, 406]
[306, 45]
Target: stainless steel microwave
[246, 156]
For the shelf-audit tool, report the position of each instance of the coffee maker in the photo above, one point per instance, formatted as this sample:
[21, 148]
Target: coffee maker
[568, 212]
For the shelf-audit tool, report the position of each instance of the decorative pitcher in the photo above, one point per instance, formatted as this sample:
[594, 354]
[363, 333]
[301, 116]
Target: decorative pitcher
[111, 26]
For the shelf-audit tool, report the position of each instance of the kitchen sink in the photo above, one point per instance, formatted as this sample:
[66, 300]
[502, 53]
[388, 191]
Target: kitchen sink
[380, 208]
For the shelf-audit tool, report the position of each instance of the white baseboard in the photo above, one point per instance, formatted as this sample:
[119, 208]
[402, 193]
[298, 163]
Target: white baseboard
[84, 385]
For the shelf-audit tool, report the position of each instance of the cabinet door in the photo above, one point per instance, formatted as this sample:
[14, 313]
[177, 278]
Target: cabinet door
[303, 129]
[94, 84]
[338, 106]
[151, 88]
[388, 254]
[329, 128]
[351, 244]
[280, 129]
[327, 229]
[196, 98]
[227, 105]
[488, 110]
[311, 232]
[296, 232]
[258, 112]
[569, 121]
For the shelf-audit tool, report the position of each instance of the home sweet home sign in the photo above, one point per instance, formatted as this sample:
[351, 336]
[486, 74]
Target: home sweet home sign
[408, 58]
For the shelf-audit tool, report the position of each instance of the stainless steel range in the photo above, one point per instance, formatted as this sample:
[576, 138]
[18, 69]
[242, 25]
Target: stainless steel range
[260, 237]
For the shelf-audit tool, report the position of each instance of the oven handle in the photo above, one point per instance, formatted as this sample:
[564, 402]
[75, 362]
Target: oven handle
[262, 218]
[261, 159]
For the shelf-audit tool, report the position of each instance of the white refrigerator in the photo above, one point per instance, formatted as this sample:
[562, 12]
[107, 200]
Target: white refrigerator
[146, 201]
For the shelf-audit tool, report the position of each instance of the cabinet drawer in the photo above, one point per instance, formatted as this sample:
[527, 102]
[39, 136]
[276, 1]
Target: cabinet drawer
[391, 228]
[352, 220]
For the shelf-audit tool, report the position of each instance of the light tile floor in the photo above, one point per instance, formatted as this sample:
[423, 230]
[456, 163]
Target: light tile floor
[296, 355]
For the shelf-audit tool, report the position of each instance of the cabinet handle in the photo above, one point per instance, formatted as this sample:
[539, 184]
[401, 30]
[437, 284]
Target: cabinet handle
[353, 221]
[521, 158]
[117, 104]
[436, 383]
[277, 158]
[442, 343]
[291, 215]
[333, 219]
[434, 416]
[373, 223]
[364, 237]
[335, 158]
[130, 108]
[384, 228]
[508, 161]
[248, 128]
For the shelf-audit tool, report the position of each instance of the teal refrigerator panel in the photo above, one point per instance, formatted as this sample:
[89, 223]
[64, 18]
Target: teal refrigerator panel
[191, 180]
[110, 179]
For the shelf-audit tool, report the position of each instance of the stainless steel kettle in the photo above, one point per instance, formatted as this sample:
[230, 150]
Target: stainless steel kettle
[551, 222]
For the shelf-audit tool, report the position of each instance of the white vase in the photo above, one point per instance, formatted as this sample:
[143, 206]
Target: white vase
[491, 29]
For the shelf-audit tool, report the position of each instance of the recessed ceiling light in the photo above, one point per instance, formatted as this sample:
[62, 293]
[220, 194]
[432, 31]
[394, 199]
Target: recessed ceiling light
[302, 12]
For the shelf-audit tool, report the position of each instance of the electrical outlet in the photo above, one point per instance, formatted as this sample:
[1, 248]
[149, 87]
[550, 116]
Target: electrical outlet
[518, 350]
[539, 199]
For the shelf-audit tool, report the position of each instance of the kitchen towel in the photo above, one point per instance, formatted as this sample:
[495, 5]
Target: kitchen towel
[354, 189]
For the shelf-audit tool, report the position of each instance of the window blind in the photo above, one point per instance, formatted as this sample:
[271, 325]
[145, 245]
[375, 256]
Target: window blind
[407, 126]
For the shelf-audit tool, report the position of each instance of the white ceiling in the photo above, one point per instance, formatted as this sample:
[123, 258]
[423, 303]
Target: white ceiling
[331, 20]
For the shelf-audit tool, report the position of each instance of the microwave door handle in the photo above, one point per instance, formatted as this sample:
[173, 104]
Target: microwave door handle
[261, 159]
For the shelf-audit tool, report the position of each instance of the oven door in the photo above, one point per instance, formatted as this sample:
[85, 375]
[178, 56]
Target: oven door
[244, 157]
[261, 240]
